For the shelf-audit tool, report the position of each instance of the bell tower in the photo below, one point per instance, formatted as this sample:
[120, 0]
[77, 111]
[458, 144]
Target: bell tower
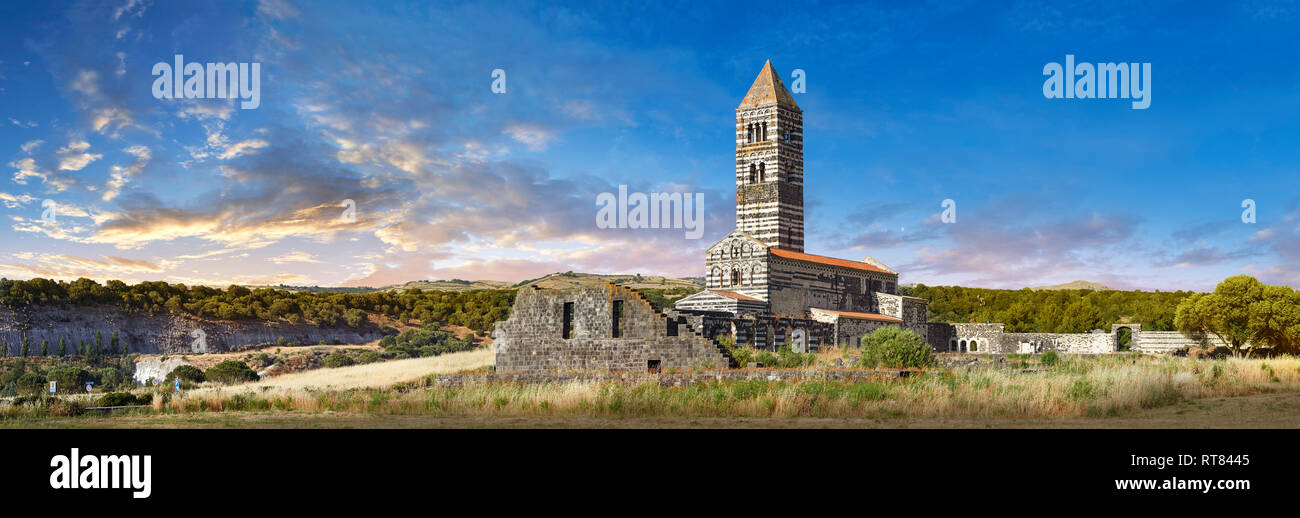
[769, 163]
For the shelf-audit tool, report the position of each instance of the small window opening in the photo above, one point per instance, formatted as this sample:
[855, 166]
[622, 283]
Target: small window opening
[567, 331]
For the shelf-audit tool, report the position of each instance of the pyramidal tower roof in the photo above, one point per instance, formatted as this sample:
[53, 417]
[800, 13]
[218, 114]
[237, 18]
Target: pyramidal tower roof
[768, 89]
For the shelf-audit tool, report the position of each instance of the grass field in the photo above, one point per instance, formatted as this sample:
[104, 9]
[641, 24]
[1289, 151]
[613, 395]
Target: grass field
[1112, 391]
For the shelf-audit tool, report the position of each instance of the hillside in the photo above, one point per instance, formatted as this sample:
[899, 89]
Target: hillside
[555, 281]
[1075, 285]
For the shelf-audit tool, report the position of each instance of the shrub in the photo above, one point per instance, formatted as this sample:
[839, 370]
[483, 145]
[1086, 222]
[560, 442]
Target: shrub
[230, 371]
[187, 373]
[338, 359]
[32, 383]
[895, 347]
[370, 357]
[1050, 359]
[123, 399]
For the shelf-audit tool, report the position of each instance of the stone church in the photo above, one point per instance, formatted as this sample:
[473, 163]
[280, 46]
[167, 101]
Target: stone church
[760, 273]
[761, 287]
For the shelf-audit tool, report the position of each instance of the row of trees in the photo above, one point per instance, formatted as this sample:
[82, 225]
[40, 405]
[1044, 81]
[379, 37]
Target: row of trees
[20, 377]
[477, 310]
[1051, 311]
[94, 349]
[1245, 314]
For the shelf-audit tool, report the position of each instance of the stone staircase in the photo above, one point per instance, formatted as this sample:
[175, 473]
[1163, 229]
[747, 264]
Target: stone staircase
[731, 362]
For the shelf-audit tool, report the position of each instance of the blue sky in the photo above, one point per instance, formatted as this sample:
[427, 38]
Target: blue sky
[390, 105]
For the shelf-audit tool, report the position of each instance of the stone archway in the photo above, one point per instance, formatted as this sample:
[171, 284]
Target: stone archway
[1123, 339]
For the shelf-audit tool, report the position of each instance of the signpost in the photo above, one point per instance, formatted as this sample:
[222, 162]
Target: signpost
[176, 384]
[52, 385]
[89, 384]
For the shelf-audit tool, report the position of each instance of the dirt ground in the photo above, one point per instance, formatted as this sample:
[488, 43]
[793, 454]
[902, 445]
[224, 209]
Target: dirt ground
[1259, 411]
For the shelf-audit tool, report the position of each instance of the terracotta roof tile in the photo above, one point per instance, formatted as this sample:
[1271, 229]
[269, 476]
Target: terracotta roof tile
[800, 256]
[734, 295]
[864, 316]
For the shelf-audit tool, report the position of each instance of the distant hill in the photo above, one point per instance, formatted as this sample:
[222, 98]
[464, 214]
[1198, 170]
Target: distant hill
[450, 285]
[1076, 285]
[556, 281]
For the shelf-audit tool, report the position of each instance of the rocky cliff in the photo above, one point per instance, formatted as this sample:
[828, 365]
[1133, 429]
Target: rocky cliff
[164, 333]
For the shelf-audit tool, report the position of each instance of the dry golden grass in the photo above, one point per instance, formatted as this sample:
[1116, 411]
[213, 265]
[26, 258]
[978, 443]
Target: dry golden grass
[1079, 387]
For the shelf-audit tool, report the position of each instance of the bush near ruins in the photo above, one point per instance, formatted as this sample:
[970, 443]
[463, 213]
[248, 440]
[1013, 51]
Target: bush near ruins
[1050, 358]
[895, 347]
[230, 371]
[427, 341]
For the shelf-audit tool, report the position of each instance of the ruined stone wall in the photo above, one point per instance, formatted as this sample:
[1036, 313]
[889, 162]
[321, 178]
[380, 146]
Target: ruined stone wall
[958, 337]
[531, 340]
[991, 339]
[1068, 343]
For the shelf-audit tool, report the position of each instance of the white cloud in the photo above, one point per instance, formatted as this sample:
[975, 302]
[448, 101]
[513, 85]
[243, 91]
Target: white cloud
[533, 136]
[242, 148]
[74, 158]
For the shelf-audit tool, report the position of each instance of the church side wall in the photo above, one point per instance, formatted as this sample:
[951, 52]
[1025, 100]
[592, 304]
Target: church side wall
[794, 286]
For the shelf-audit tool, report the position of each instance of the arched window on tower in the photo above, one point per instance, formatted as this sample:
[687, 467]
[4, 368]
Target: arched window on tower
[749, 133]
[735, 277]
[753, 174]
[762, 172]
[787, 136]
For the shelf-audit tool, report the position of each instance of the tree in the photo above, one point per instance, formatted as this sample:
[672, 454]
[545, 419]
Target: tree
[63, 346]
[1244, 314]
[4, 349]
[45, 348]
[68, 378]
[113, 344]
[24, 350]
[31, 383]
[186, 373]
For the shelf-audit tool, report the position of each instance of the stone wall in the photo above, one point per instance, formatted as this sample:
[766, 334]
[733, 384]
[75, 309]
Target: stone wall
[914, 311]
[765, 332]
[669, 379]
[990, 338]
[532, 338]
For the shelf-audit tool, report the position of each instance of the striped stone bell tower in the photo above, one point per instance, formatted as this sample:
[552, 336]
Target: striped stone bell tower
[769, 163]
